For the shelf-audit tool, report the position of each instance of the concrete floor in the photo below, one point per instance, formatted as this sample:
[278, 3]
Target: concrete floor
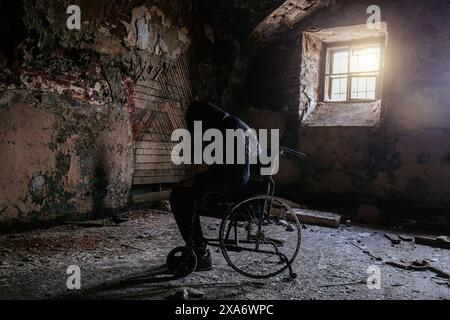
[125, 261]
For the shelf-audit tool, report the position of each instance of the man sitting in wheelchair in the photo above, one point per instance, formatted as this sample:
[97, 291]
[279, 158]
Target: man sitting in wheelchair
[226, 178]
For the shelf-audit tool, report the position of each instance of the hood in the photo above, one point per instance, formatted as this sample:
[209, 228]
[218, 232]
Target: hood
[210, 115]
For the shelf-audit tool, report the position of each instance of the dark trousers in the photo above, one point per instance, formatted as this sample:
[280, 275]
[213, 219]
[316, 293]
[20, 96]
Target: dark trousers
[182, 203]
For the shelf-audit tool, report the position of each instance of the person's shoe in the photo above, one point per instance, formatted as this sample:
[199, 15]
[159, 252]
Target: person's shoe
[204, 261]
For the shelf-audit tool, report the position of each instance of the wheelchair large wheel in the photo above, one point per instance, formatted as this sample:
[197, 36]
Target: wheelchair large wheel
[260, 237]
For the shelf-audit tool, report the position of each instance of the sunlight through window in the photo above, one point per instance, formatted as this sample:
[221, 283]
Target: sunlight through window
[352, 73]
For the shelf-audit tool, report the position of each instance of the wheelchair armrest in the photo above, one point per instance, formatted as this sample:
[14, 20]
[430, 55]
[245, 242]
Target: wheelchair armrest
[288, 152]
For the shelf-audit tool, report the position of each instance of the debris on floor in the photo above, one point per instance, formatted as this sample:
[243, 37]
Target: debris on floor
[320, 218]
[438, 242]
[91, 223]
[99, 223]
[405, 238]
[362, 281]
[393, 238]
[421, 265]
[367, 252]
[126, 261]
[186, 294]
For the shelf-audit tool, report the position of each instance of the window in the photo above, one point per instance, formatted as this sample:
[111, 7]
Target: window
[352, 73]
[341, 76]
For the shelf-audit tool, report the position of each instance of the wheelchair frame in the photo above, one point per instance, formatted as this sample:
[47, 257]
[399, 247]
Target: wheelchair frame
[227, 245]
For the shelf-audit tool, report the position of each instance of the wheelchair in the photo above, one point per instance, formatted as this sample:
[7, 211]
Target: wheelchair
[259, 235]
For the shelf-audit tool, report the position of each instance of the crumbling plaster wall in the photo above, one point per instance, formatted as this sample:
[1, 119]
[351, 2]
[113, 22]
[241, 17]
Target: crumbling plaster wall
[61, 158]
[67, 126]
[403, 159]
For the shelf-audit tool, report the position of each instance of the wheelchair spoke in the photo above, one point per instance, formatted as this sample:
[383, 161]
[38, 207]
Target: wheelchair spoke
[246, 259]
[264, 247]
[250, 213]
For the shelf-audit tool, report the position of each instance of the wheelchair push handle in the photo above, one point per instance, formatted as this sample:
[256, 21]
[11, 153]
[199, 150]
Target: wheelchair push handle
[288, 152]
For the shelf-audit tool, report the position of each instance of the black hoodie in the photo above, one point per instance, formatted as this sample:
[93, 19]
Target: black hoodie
[213, 117]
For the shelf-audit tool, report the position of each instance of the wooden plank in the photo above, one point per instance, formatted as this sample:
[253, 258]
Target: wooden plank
[155, 137]
[405, 238]
[393, 238]
[152, 151]
[438, 242]
[149, 99]
[146, 104]
[148, 96]
[155, 104]
[155, 180]
[156, 165]
[145, 158]
[139, 88]
[144, 82]
[327, 219]
[154, 145]
[150, 196]
[154, 131]
[161, 172]
[176, 105]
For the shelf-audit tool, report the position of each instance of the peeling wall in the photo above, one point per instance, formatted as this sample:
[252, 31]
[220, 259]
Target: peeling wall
[70, 116]
[151, 30]
[61, 159]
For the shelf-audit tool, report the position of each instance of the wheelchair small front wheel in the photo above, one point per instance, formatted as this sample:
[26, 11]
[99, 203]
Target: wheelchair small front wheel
[260, 237]
[181, 261]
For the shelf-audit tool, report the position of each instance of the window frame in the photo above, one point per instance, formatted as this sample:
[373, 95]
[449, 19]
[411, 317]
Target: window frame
[327, 67]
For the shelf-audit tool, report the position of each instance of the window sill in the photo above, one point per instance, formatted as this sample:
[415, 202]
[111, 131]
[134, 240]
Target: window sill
[344, 114]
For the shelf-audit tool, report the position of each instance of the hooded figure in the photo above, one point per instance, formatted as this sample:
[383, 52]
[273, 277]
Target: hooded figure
[236, 173]
[222, 177]
[211, 115]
